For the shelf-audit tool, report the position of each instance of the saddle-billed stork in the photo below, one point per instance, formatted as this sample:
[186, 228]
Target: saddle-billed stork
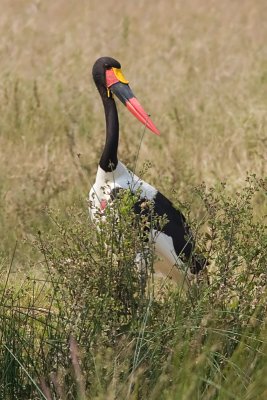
[174, 242]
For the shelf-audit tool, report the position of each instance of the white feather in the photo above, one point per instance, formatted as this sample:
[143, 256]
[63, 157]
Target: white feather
[121, 177]
[168, 264]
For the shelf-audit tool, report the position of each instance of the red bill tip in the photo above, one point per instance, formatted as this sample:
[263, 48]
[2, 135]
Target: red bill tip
[137, 110]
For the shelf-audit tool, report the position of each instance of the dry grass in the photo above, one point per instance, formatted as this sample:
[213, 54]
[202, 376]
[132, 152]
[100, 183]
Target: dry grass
[199, 67]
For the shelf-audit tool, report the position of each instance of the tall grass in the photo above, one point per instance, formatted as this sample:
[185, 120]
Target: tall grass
[200, 72]
[75, 321]
[95, 326]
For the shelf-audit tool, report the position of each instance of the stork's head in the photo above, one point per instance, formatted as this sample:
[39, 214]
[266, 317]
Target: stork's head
[110, 80]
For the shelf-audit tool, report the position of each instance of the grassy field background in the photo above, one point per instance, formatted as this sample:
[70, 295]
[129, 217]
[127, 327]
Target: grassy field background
[198, 67]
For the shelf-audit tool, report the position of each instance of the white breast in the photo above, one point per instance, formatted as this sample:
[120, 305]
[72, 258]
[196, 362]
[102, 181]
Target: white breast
[169, 265]
[121, 177]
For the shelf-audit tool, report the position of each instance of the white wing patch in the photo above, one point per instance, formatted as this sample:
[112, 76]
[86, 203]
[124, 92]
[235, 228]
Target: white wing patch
[170, 265]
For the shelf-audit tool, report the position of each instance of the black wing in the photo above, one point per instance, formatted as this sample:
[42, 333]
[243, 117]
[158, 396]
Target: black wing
[176, 227]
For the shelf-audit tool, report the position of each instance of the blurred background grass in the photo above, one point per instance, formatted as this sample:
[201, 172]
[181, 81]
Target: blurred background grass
[198, 67]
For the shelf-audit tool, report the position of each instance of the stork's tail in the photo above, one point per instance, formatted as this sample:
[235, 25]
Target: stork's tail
[199, 263]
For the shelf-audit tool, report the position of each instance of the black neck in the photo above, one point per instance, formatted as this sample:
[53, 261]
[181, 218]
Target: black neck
[109, 159]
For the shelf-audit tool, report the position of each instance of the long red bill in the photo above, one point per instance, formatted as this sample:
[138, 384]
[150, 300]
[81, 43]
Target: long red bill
[137, 110]
[124, 93]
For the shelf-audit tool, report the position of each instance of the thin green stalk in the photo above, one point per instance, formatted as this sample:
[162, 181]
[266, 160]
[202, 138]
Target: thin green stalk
[26, 372]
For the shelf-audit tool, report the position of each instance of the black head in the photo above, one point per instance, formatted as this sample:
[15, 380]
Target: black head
[110, 80]
[99, 69]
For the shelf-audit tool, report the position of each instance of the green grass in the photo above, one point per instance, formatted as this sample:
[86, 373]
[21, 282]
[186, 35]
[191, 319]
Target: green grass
[76, 322]
[93, 327]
